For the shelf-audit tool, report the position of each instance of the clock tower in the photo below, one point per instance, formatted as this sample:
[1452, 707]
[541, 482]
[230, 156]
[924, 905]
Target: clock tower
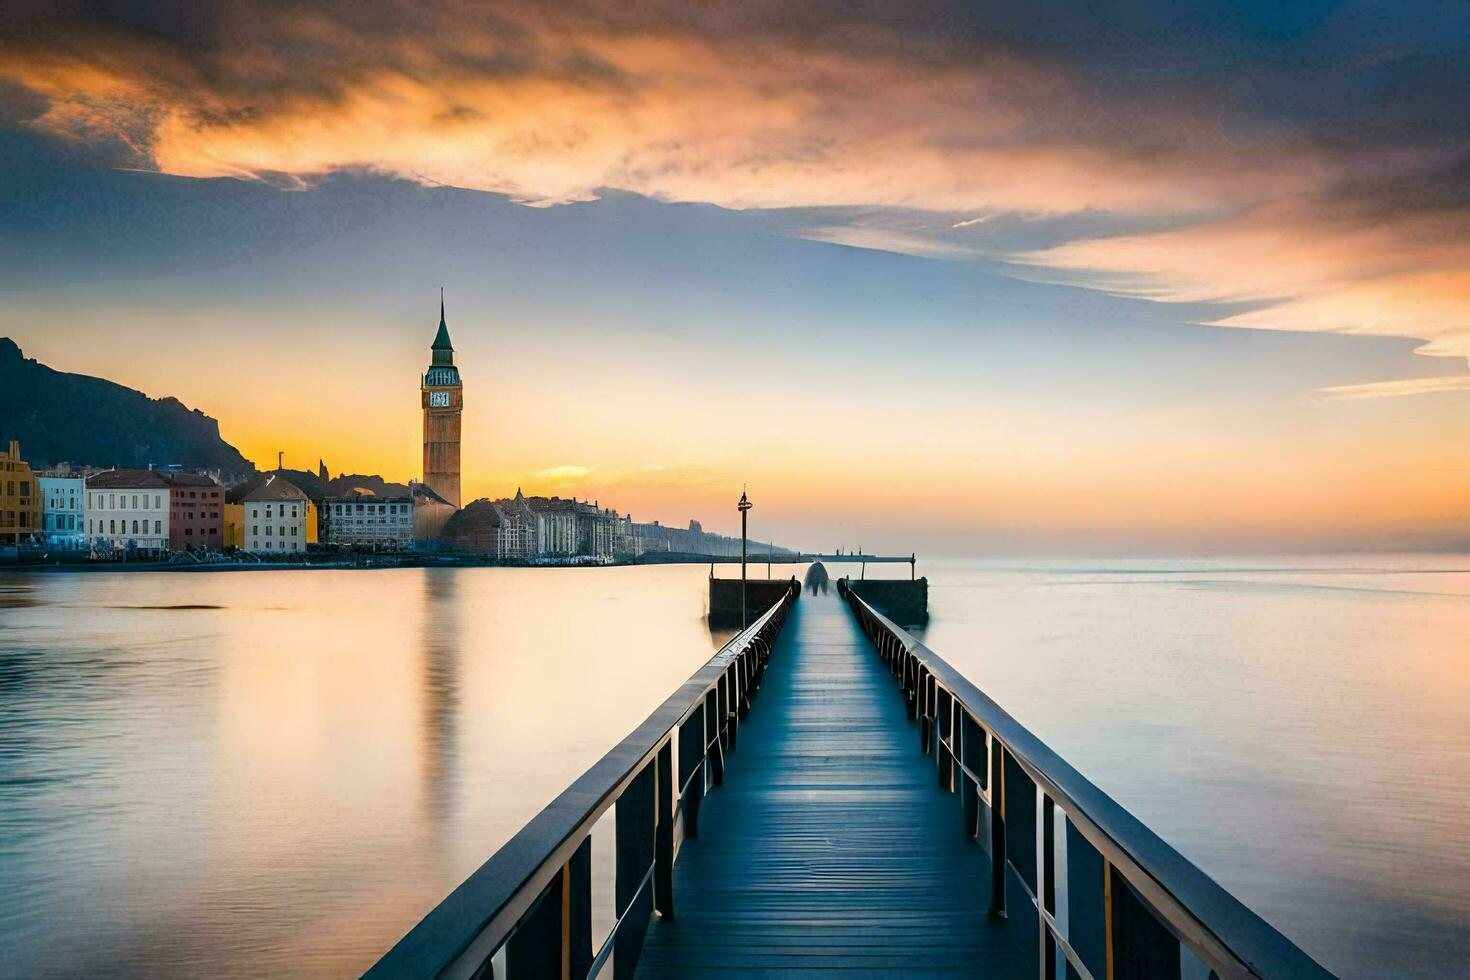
[443, 400]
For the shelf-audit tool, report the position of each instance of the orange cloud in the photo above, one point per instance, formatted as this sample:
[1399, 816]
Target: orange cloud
[549, 105]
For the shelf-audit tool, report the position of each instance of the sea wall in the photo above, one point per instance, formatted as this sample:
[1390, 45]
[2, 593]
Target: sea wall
[905, 602]
[760, 595]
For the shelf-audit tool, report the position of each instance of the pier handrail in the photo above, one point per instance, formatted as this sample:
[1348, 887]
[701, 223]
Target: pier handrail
[1231, 939]
[537, 887]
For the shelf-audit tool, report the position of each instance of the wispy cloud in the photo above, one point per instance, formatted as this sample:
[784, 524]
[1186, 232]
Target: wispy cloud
[564, 474]
[1402, 388]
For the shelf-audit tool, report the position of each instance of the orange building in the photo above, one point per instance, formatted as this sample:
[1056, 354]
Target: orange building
[20, 499]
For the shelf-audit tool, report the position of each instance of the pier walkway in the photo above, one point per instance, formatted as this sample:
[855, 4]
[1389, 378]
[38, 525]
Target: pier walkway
[830, 846]
[828, 794]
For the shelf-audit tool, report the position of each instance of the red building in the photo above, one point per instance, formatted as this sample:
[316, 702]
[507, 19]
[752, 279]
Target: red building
[196, 517]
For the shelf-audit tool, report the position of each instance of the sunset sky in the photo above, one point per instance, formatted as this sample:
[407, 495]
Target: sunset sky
[1052, 276]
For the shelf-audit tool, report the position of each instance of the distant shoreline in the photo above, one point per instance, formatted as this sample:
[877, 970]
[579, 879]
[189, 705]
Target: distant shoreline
[397, 562]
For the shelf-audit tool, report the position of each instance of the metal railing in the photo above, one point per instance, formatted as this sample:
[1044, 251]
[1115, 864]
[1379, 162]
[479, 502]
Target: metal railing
[532, 900]
[1134, 906]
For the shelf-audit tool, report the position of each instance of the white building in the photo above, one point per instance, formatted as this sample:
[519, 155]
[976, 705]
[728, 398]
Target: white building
[368, 521]
[127, 511]
[275, 515]
[63, 515]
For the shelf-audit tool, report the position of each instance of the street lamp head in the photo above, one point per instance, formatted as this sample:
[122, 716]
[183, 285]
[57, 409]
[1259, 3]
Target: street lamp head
[745, 503]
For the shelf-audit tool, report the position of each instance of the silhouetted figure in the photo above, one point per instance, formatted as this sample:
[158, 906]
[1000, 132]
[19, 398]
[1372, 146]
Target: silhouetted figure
[816, 578]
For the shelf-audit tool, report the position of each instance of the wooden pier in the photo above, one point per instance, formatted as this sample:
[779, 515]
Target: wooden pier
[829, 847]
[871, 814]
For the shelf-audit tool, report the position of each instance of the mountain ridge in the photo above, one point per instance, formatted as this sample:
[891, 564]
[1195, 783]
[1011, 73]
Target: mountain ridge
[59, 417]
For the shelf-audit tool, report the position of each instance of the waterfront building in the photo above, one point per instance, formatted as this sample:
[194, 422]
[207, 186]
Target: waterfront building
[363, 520]
[624, 536]
[594, 530]
[443, 402]
[127, 511]
[503, 529]
[519, 528]
[275, 517]
[63, 515]
[196, 512]
[556, 525]
[20, 499]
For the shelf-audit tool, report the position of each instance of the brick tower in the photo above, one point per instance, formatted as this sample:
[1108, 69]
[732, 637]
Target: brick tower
[443, 400]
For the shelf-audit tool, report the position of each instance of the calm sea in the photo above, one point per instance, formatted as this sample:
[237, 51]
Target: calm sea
[277, 773]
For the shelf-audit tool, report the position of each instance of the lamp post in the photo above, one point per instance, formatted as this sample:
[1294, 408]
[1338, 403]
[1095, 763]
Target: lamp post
[744, 508]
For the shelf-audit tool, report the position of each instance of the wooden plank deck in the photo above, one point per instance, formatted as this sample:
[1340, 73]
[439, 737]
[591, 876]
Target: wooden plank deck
[831, 846]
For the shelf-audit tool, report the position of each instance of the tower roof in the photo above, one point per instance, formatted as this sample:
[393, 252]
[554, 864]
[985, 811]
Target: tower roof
[442, 348]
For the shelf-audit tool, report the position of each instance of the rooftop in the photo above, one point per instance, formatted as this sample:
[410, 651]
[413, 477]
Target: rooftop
[276, 487]
[127, 480]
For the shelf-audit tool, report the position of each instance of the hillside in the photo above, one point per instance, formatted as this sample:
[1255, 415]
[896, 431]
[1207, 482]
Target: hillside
[61, 417]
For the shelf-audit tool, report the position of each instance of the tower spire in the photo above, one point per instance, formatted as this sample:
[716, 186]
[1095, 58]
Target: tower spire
[443, 349]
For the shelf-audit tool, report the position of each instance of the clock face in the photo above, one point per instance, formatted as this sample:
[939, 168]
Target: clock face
[438, 399]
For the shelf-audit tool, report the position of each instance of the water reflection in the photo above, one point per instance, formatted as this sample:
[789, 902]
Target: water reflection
[277, 773]
[440, 692]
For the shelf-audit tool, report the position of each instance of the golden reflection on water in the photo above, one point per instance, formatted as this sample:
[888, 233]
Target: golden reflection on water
[301, 773]
[278, 773]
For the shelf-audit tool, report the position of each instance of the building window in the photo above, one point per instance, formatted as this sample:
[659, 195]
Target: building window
[267, 530]
[135, 527]
[188, 532]
[254, 512]
[112, 527]
[293, 532]
[255, 530]
[158, 527]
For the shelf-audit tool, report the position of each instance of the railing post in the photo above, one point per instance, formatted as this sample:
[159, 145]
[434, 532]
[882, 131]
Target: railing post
[924, 687]
[1087, 902]
[997, 829]
[1047, 859]
[906, 684]
[972, 758]
[1139, 945]
[539, 946]
[663, 855]
[578, 911]
[732, 702]
[633, 857]
[722, 708]
[945, 743]
[693, 738]
[714, 739]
